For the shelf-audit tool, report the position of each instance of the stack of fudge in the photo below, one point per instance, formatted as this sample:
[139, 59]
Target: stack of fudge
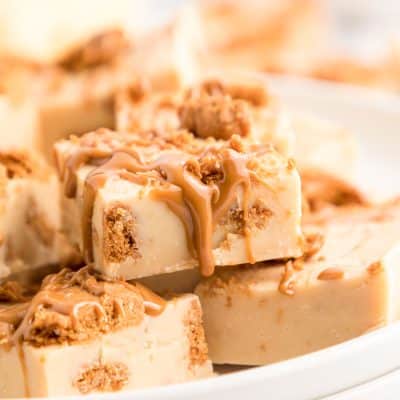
[192, 225]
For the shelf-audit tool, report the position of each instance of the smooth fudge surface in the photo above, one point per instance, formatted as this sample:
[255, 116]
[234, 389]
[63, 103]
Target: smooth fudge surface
[30, 218]
[140, 205]
[346, 285]
[81, 334]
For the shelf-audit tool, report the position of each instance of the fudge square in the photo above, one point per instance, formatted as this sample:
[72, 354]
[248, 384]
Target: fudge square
[242, 105]
[216, 108]
[346, 285]
[80, 334]
[30, 219]
[74, 94]
[140, 205]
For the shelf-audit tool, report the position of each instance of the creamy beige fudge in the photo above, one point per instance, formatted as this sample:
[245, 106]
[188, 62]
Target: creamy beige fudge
[324, 145]
[74, 94]
[80, 334]
[346, 284]
[46, 36]
[239, 104]
[30, 220]
[140, 205]
[70, 96]
[216, 108]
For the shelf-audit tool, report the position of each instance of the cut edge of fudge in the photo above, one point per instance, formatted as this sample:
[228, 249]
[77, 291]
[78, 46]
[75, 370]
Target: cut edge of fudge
[207, 173]
[30, 221]
[79, 311]
[346, 284]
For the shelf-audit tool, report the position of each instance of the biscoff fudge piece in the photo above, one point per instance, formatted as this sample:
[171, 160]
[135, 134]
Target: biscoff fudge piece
[141, 205]
[215, 107]
[30, 220]
[74, 94]
[241, 105]
[346, 284]
[81, 334]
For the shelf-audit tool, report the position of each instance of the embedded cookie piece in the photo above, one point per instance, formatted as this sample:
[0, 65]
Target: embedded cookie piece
[218, 108]
[324, 146]
[140, 205]
[29, 214]
[110, 336]
[346, 284]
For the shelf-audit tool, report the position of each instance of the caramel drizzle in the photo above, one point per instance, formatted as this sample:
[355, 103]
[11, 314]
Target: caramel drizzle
[24, 367]
[66, 302]
[67, 299]
[13, 314]
[236, 174]
[153, 304]
[198, 205]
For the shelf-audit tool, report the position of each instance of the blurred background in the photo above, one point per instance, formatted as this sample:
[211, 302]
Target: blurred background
[361, 27]
[354, 42]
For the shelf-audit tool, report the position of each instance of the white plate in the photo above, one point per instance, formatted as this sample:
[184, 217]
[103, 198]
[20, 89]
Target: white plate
[373, 116]
[386, 387]
[376, 120]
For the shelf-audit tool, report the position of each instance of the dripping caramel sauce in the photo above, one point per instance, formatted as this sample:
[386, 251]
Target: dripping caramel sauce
[198, 205]
[67, 298]
[24, 367]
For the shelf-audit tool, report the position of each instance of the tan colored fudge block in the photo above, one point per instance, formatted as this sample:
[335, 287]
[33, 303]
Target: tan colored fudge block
[74, 94]
[214, 107]
[272, 312]
[141, 224]
[99, 337]
[30, 219]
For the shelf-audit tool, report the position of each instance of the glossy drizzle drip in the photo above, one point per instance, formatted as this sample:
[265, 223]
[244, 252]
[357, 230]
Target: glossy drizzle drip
[199, 205]
[67, 292]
